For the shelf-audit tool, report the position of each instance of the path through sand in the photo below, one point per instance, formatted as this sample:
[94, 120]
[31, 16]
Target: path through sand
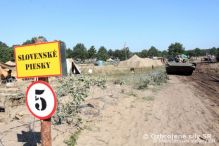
[175, 109]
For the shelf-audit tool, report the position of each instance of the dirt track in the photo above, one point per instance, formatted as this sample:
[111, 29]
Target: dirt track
[178, 109]
[206, 80]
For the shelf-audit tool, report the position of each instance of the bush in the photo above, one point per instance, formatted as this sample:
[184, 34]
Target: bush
[77, 87]
[119, 82]
[154, 78]
[158, 77]
[143, 83]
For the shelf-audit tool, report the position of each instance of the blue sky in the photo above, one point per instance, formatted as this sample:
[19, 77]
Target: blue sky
[111, 23]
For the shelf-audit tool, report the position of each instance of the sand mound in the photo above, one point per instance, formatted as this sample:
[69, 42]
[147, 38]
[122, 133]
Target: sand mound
[137, 62]
[10, 63]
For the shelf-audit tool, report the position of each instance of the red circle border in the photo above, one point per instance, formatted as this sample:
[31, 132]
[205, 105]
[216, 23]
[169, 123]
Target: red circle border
[54, 96]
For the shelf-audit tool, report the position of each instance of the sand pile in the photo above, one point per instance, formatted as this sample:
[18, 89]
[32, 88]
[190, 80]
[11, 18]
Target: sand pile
[10, 63]
[137, 62]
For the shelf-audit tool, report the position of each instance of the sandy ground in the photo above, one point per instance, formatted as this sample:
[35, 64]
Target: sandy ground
[180, 112]
[174, 111]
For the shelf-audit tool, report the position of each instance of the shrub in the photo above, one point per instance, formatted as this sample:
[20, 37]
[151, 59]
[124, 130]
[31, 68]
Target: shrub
[143, 83]
[119, 82]
[77, 87]
[156, 77]
[148, 98]
[73, 139]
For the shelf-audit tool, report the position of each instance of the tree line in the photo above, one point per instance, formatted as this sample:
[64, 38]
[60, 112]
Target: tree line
[80, 51]
[6, 52]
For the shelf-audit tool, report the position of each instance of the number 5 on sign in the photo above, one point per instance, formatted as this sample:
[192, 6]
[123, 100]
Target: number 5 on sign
[42, 105]
[41, 100]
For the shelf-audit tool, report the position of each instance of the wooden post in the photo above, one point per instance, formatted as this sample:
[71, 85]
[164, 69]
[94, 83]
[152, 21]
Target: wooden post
[46, 139]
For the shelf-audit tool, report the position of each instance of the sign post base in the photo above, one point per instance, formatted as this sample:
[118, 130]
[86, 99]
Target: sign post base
[46, 132]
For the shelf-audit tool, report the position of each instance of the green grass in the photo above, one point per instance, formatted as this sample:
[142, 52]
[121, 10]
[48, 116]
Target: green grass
[148, 98]
[124, 75]
[131, 93]
[73, 139]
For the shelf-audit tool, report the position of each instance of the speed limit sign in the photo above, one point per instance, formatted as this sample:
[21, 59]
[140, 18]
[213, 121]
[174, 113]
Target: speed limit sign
[41, 100]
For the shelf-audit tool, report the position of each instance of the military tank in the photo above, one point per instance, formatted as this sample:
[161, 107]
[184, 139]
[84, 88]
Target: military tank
[180, 65]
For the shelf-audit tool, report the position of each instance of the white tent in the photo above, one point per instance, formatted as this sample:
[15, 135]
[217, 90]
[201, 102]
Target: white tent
[110, 60]
[72, 68]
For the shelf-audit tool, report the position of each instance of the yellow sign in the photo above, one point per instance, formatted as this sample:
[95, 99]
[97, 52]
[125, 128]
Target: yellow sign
[38, 60]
